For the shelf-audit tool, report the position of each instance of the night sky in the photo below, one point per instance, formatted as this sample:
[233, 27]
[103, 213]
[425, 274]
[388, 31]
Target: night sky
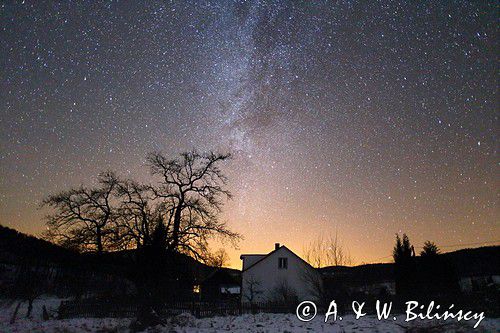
[364, 118]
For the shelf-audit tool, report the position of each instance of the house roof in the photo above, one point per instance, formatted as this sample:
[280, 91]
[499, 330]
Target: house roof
[221, 275]
[265, 256]
[252, 255]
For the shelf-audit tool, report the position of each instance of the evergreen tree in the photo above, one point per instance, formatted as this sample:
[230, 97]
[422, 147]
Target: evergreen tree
[402, 250]
[403, 254]
[159, 237]
[430, 249]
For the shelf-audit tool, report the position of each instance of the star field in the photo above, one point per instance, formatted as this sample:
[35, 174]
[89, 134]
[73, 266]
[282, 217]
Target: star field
[369, 118]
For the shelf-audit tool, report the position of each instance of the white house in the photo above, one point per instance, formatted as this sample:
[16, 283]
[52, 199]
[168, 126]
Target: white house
[280, 276]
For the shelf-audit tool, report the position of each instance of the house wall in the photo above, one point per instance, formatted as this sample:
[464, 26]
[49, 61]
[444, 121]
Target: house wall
[474, 283]
[376, 289]
[297, 276]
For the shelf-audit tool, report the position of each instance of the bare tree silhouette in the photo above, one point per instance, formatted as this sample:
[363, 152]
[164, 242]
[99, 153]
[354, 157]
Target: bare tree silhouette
[326, 251]
[32, 279]
[83, 216]
[137, 215]
[122, 214]
[192, 188]
[252, 289]
[219, 258]
[283, 292]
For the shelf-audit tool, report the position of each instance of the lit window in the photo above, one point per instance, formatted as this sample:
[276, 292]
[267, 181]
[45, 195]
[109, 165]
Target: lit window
[282, 263]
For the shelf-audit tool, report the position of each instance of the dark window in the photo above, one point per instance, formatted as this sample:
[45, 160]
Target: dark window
[282, 263]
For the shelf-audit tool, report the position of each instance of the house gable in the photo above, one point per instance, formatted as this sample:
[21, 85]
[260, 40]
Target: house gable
[277, 276]
[272, 255]
[250, 259]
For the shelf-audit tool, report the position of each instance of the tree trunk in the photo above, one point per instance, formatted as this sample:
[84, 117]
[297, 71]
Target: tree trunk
[30, 308]
[45, 313]
[14, 315]
[177, 225]
[99, 240]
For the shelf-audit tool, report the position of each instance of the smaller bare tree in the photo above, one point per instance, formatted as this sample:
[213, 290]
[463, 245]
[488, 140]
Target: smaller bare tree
[252, 289]
[219, 259]
[83, 215]
[283, 292]
[327, 251]
[314, 282]
[31, 281]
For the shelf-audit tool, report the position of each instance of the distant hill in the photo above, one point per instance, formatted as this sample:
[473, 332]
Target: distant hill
[467, 262]
[16, 247]
[479, 261]
[369, 273]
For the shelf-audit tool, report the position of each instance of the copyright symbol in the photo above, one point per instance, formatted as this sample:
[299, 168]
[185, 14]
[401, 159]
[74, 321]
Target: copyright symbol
[306, 311]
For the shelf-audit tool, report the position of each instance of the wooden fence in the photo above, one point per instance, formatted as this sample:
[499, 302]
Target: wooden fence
[92, 308]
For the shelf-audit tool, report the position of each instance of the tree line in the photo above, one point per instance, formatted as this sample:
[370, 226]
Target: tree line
[180, 212]
[428, 275]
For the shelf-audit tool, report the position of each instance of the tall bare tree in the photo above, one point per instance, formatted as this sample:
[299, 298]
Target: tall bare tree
[137, 215]
[327, 251]
[193, 190]
[183, 208]
[82, 216]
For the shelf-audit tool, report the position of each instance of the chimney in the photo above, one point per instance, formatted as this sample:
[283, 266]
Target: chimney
[276, 246]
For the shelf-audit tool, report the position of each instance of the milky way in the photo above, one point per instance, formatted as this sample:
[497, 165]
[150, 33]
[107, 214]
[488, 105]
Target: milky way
[362, 118]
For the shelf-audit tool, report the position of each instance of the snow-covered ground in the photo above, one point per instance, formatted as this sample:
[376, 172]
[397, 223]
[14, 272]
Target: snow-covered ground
[186, 323]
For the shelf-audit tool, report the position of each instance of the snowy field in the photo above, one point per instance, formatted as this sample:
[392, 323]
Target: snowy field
[247, 323]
